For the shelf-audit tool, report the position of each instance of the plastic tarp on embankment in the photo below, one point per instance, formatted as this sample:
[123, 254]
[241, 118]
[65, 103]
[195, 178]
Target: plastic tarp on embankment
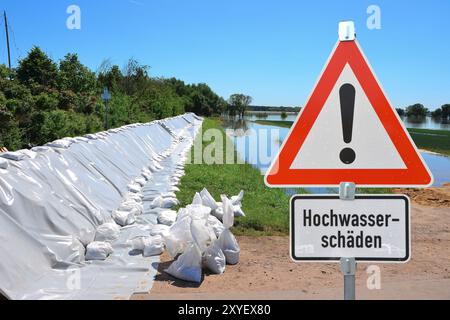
[53, 198]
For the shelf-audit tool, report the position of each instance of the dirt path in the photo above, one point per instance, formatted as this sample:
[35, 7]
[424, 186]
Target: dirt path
[434, 197]
[266, 271]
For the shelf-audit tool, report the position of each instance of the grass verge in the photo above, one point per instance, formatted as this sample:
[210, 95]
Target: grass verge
[267, 209]
[432, 140]
[426, 139]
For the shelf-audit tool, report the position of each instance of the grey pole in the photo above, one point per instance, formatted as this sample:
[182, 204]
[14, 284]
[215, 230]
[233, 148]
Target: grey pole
[347, 192]
[348, 268]
[106, 96]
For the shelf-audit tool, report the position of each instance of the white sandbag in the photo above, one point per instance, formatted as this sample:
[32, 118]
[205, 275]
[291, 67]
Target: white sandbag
[140, 181]
[61, 144]
[174, 189]
[216, 225]
[230, 247]
[86, 236]
[149, 246]
[214, 259]
[199, 211]
[197, 200]
[167, 217]
[218, 213]
[136, 197]
[208, 200]
[4, 164]
[183, 213]
[14, 156]
[157, 203]
[107, 232]
[147, 175]
[131, 205]
[201, 235]
[228, 213]
[123, 218]
[159, 230]
[153, 246]
[28, 153]
[135, 188]
[98, 251]
[188, 266]
[165, 203]
[238, 212]
[237, 200]
[179, 237]
[170, 203]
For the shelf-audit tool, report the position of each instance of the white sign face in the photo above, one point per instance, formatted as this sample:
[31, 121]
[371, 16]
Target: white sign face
[370, 228]
[374, 148]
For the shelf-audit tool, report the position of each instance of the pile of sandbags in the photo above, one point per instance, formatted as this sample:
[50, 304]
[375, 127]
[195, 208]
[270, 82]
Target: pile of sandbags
[200, 240]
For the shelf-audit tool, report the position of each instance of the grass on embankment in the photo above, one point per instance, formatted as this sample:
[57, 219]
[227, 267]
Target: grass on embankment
[432, 140]
[267, 209]
[426, 139]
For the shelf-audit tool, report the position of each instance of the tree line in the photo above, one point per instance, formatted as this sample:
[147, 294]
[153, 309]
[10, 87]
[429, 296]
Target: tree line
[42, 100]
[419, 110]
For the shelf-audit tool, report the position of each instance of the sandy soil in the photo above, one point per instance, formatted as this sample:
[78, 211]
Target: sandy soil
[435, 197]
[266, 271]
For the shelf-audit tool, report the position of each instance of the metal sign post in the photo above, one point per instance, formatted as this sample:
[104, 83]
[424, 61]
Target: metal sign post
[347, 191]
[106, 96]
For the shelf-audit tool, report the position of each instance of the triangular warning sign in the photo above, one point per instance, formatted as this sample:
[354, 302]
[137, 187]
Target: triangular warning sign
[348, 132]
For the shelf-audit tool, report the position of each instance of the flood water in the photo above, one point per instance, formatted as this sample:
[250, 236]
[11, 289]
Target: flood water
[258, 144]
[411, 122]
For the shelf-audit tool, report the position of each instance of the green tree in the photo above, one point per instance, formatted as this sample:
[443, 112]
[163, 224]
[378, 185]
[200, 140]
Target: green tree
[74, 76]
[400, 111]
[445, 111]
[239, 104]
[37, 69]
[416, 110]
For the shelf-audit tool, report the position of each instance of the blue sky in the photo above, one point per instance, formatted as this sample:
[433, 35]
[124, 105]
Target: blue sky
[271, 50]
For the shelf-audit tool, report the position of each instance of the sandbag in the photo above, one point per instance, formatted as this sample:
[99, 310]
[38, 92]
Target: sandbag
[179, 237]
[188, 266]
[4, 164]
[198, 211]
[98, 251]
[201, 235]
[228, 213]
[238, 212]
[153, 246]
[135, 188]
[124, 218]
[132, 206]
[159, 230]
[230, 247]
[197, 201]
[149, 246]
[167, 217]
[216, 225]
[140, 181]
[107, 232]
[218, 213]
[237, 200]
[208, 200]
[214, 259]
[165, 203]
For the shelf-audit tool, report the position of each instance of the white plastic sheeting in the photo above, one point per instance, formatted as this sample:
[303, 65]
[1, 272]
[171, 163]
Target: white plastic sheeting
[52, 201]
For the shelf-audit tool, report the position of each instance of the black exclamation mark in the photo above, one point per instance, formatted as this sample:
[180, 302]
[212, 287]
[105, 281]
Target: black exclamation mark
[348, 95]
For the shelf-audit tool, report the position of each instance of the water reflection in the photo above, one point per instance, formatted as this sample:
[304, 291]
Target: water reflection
[258, 144]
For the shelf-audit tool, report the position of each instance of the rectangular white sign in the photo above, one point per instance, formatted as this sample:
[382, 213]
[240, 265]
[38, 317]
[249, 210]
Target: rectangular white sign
[370, 228]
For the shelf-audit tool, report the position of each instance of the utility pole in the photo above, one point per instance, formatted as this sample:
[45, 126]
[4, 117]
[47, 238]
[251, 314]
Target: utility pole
[7, 39]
